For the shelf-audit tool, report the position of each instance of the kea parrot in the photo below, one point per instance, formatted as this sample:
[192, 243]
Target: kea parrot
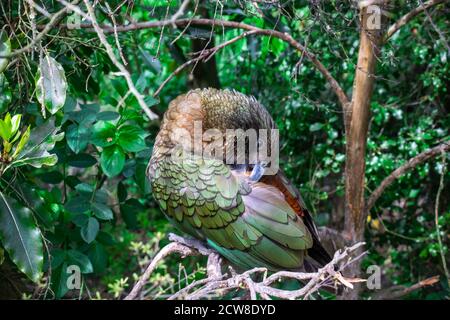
[251, 218]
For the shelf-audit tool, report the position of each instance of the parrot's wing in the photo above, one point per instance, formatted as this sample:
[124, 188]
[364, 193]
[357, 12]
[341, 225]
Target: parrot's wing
[293, 197]
[254, 222]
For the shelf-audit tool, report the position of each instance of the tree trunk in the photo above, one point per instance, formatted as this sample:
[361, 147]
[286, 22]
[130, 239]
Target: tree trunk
[357, 123]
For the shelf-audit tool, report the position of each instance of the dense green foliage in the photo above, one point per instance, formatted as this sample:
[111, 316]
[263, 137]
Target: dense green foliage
[73, 188]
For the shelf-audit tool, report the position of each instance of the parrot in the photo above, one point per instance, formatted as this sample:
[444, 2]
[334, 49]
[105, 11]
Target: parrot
[250, 218]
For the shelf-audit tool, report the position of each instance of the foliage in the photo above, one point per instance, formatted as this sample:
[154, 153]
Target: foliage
[75, 144]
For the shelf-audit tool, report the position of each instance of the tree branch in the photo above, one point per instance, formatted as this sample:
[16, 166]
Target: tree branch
[335, 86]
[412, 163]
[218, 283]
[409, 16]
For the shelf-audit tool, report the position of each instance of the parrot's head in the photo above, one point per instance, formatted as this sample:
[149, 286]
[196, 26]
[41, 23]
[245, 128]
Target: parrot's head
[220, 124]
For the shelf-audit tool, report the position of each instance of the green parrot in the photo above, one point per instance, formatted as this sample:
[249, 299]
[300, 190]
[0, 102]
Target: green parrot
[252, 218]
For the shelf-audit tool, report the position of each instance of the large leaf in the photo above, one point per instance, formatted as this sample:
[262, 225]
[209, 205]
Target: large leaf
[112, 160]
[102, 211]
[81, 160]
[36, 150]
[51, 84]
[77, 137]
[104, 134]
[20, 237]
[90, 229]
[81, 260]
[98, 256]
[5, 49]
[131, 139]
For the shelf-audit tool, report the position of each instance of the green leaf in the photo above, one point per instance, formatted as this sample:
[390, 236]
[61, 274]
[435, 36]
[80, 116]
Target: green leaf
[32, 199]
[5, 50]
[20, 237]
[86, 115]
[102, 211]
[51, 84]
[36, 150]
[129, 211]
[6, 127]
[58, 256]
[78, 205]
[151, 61]
[131, 139]
[108, 116]
[141, 177]
[77, 137]
[98, 256]
[112, 160]
[315, 127]
[90, 229]
[5, 93]
[81, 160]
[15, 123]
[58, 281]
[22, 142]
[103, 134]
[77, 258]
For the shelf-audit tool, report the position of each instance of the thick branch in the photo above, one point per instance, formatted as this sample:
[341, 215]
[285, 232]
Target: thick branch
[411, 164]
[335, 86]
[409, 16]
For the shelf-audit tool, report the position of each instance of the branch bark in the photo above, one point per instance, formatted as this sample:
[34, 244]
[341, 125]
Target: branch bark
[409, 165]
[356, 120]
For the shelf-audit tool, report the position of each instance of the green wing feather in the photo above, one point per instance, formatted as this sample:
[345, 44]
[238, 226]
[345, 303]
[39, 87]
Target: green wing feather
[205, 199]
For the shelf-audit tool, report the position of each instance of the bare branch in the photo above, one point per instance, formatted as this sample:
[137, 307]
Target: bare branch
[409, 16]
[411, 164]
[218, 283]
